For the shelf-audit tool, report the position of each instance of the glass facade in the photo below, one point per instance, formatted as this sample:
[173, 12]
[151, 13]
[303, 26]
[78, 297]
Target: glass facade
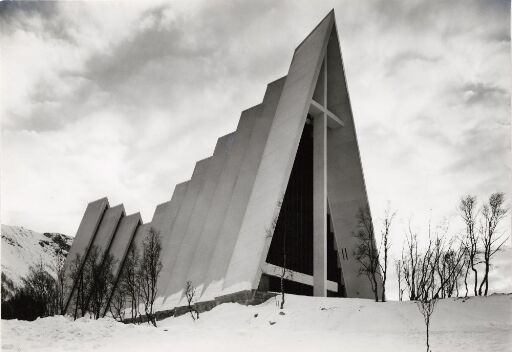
[292, 241]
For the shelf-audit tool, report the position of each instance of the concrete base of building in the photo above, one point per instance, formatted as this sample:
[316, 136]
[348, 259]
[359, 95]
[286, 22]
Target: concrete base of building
[246, 298]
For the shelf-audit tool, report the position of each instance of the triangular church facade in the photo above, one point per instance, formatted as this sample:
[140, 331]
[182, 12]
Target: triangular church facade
[283, 190]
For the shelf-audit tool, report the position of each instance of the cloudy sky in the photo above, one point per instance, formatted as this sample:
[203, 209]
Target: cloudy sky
[121, 99]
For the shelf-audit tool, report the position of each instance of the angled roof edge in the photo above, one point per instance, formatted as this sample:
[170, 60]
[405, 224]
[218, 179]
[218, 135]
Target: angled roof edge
[327, 17]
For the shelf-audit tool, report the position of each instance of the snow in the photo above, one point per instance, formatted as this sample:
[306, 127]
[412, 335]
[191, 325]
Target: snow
[309, 324]
[22, 248]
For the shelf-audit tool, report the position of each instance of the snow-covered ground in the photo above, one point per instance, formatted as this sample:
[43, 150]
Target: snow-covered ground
[309, 324]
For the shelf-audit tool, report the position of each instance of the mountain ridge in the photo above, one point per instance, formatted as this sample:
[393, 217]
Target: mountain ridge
[23, 248]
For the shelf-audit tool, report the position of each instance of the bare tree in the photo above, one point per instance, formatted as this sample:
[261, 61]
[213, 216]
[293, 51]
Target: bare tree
[87, 278]
[366, 252]
[427, 284]
[79, 286]
[40, 285]
[427, 264]
[102, 284]
[61, 287]
[450, 261]
[384, 248]
[410, 263]
[466, 267]
[8, 288]
[190, 293]
[150, 267]
[117, 304]
[129, 281]
[467, 208]
[418, 270]
[399, 270]
[283, 272]
[426, 306]
[492, 212]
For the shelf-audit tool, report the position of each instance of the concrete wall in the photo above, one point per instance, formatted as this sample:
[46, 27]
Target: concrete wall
[346, 188]
[106, 230]
[140, 235]
[179, 226]
[166, 213]
[122, 240]
[163, 220]
[202, 258]
[230, 227]
[198, 216]
[161, 214]
[84, 236]
[277, 161]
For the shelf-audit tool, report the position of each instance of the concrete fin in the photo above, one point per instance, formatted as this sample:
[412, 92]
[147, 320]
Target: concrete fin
[198, 216]
[120, 244]
[122, 240]
[318, 95]
[165, 213]
[161, 213]
[140, 235]
[106, 230]
[179, 226]
[162, 222]
[242, 190]
[275, 167]
[84, 237]
[202, 258]
[346, 190]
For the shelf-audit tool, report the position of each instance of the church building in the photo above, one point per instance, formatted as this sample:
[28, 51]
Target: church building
[281, 191]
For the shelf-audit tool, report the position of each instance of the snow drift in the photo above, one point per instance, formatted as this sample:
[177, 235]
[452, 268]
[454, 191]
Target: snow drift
[308, 324]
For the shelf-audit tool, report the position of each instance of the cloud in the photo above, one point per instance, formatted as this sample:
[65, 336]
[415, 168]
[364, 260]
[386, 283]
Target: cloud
[485, 94]
[122, 98]
[404, 58]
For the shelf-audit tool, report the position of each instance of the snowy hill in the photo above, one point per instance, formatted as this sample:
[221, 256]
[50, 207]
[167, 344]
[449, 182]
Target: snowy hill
[309, 324]
[22, 248]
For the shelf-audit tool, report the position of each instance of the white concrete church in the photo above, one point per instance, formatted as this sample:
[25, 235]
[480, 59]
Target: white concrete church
[292, 166]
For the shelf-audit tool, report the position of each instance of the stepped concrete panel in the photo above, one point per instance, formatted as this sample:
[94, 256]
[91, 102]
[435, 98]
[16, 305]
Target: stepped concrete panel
[120, 244]
[180, 224]
[241, 193]
[160, 215]
[277, 161]
[107, 229]
[199, 213]
[202, 258]
[162, 222]
[85, 236]
[166, 213]
[138, 240]
[122, 240]
[140, 235]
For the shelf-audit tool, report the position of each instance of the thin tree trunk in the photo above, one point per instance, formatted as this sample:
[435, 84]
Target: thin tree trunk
[76, 306]
[476, 278]
[485, 279]
[282, 292]
[466, 282]
[428, 332]
[376, 290]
